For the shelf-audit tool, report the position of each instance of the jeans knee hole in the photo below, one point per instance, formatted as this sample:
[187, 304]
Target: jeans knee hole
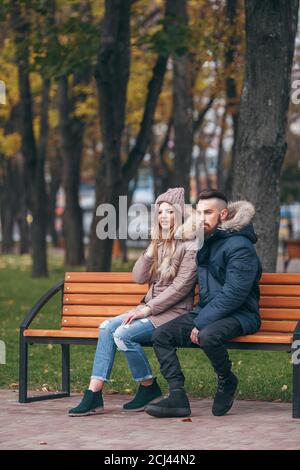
[120, 343]
[104, 325]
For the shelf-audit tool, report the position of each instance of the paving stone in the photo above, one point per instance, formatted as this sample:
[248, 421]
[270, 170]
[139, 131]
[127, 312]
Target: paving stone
[46, 425]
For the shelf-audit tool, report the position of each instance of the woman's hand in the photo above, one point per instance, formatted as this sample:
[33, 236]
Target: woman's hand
[136, 315]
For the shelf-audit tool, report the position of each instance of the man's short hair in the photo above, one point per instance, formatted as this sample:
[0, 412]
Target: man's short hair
[212, 193]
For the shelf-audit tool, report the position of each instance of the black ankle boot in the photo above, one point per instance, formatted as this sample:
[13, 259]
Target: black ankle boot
[225, 394]
[176, 405]
[145, 395]
[91, 404]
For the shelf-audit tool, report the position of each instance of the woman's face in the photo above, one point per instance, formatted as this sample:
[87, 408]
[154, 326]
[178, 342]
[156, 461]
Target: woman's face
[166, 216]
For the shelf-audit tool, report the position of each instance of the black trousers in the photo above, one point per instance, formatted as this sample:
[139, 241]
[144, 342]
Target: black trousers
[168, 337]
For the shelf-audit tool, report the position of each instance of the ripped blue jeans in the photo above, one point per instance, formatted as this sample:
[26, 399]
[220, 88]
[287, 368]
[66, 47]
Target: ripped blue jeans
[126, 338]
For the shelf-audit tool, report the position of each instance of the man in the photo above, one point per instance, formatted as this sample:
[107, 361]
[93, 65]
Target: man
[228, 276]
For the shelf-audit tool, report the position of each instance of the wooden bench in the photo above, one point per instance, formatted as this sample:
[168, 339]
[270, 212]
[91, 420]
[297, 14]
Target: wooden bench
[87, 299]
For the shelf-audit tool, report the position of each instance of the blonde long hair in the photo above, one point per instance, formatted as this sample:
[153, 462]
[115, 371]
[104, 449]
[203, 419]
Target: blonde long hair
[169, 244]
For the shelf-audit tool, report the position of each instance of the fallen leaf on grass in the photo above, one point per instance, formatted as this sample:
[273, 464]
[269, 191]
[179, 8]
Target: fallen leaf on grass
[14, 386]
[111, 392]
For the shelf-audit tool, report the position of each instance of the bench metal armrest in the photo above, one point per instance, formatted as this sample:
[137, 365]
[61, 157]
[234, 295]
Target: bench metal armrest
[40, 303]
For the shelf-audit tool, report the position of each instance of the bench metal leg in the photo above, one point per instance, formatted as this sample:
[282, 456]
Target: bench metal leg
[23, 375]
[296, 383]
[65, 349]
[23, 370]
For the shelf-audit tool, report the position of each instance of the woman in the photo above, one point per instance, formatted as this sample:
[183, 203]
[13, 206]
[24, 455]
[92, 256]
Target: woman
[168, 266]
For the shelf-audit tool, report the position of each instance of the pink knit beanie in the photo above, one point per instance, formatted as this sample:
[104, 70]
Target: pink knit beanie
[172, 196]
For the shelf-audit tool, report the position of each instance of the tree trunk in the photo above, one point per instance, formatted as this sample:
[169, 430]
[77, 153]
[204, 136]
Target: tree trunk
[261, 143]
[222, 172]
[55, 165]
[112, 74]
[232, 98]
[102, 249]
[155, 168]
[34, 157]
[166, 171]
[182, 112]
[71, 131]
[22, 211]
[202, 158]
[8, 205]
[39, 196]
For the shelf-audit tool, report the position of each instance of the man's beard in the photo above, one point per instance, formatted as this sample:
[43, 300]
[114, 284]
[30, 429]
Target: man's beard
[208, 230]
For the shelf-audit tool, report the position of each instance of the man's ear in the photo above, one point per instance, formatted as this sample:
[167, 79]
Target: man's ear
[224, 214]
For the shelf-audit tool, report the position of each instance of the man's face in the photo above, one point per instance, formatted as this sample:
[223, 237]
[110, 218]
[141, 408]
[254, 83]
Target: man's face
[212, 212]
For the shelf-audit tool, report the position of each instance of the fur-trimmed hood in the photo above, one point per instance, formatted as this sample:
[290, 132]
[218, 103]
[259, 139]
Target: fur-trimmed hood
[240, 215]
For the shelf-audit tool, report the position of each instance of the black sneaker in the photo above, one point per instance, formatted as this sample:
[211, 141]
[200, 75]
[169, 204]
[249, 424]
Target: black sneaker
[176, 405]
[225, 394]
[91, 404]
[145, 395]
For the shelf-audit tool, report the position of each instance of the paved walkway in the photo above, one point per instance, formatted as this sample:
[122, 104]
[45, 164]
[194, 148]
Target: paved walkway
[45, 425]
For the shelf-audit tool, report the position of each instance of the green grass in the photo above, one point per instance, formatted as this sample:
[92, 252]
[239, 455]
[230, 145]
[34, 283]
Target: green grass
[263, 375]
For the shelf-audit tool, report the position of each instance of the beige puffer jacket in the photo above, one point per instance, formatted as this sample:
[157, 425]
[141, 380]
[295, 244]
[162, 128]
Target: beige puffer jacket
[171, 289]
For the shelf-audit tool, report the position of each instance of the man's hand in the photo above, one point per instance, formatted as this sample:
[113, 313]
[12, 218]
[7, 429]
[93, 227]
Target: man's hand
[194, 336]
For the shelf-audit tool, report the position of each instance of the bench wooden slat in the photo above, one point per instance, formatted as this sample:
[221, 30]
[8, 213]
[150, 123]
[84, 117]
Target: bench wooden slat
[278, 302]
[105, 288]
[280, 313]
[82, 276]
[274, 290]
[108, 287]
[112, 310]
[83, 322]
[134, 299]
[64, 333]
[280, 278]
[94, 310]
[280, 326]
[89, 322]
[98, 277]
[105, 299]
[278, 338]
[265, 337]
